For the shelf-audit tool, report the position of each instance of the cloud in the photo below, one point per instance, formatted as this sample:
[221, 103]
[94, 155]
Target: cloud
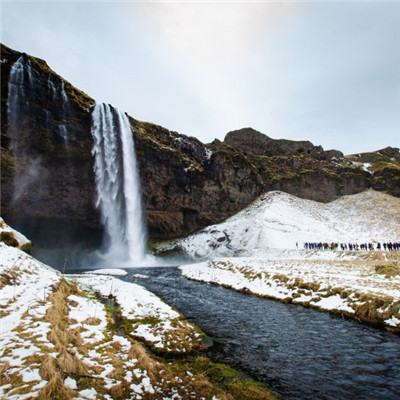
[211, 40]
[326, 72]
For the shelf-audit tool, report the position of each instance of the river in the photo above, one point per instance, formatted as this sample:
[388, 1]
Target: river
[301, 353]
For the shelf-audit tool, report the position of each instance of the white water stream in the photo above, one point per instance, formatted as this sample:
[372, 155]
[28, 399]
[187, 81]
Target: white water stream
[118, 187]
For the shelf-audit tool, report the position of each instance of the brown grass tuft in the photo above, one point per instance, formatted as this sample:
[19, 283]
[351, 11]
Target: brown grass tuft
[145, 362]
[390, 269]
[70, 364]
[92, 321]
[8, 238]
[121, 391]
[56, 390]
[48, 369]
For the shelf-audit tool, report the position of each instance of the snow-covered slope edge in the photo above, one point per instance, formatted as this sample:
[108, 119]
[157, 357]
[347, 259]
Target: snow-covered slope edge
[13, 238]
[58, 340]
[364, 286]
[277, 220]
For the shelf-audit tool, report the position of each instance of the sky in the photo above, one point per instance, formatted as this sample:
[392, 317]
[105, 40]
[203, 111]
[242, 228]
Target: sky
[328, 72]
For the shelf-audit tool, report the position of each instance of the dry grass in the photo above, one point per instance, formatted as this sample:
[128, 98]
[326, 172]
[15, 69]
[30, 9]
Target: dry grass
[389, 269]
[54, 369]
[121, 391]
[8, 238]
[92, 321]
[56, 390]
[137, 351]
[9, 277]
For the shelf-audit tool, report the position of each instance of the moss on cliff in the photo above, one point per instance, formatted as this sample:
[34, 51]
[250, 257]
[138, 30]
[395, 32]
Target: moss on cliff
[383, 165]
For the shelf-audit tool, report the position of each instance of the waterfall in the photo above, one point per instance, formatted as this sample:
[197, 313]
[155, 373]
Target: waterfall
[25, 87]
[28, 104]
[117, 186]
[65, 113]
[21, 80]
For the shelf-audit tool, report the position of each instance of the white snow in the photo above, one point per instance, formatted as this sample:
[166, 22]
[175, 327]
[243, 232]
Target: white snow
[304, 278]
[71, 383]
[29, 375]
[261, 250]
[138, 304]
[23, 301]
[135, 300]
[21, 239]
[393, 321]
[108, 271]
[30, 322]
[278, 220]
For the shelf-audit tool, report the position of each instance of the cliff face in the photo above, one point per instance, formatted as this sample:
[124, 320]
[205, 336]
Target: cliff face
[48, 185]
[47, 175]
[384, 166]
[300, 168]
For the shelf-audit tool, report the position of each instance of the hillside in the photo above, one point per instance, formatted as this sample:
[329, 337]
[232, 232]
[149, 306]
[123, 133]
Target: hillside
[277, 220]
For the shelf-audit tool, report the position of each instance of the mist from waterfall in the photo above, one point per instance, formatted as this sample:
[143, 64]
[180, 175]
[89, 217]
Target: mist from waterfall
[117, 187]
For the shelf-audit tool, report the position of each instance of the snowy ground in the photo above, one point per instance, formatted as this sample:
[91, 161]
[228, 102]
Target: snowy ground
[58, 340]
[342, 282]
[279, 220]
[150, 319]
[259, 251]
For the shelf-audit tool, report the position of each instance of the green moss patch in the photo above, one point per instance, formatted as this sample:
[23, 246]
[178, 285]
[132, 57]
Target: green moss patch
[226, 378]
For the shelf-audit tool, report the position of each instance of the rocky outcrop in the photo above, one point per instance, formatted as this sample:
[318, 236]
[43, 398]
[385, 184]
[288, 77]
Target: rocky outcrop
[253, 142]
[299, 168]
[48, 189]
[384, 166]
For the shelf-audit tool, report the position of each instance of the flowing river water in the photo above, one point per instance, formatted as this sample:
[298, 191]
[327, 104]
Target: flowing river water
[301, 353]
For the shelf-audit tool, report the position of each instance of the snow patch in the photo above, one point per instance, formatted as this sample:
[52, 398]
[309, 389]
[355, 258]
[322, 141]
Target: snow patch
[108, 271]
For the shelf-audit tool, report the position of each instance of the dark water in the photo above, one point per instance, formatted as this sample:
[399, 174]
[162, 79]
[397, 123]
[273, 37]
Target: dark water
[301, 353]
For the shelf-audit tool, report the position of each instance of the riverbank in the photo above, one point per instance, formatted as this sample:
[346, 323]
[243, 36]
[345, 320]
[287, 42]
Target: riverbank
[361, 285]
[88, 337]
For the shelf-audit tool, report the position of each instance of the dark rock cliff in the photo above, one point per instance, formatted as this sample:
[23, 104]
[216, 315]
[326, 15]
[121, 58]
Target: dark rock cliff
[47, 178]
[384, 166]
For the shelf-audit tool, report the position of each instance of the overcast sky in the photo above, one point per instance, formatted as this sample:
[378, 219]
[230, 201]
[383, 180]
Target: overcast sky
[328, 72]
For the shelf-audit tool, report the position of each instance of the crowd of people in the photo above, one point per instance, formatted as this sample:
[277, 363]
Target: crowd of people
[385, 246]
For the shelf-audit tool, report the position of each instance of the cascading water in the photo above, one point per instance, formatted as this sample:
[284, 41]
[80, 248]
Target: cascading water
[27, 102]
[65, 113]
[21, 79]
[117, 186]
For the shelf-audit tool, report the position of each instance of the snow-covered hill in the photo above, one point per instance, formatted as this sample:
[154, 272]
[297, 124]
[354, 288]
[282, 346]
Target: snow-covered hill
[277, 220]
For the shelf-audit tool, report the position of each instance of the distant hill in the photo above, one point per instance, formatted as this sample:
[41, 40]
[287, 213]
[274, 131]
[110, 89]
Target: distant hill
[278, 220]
